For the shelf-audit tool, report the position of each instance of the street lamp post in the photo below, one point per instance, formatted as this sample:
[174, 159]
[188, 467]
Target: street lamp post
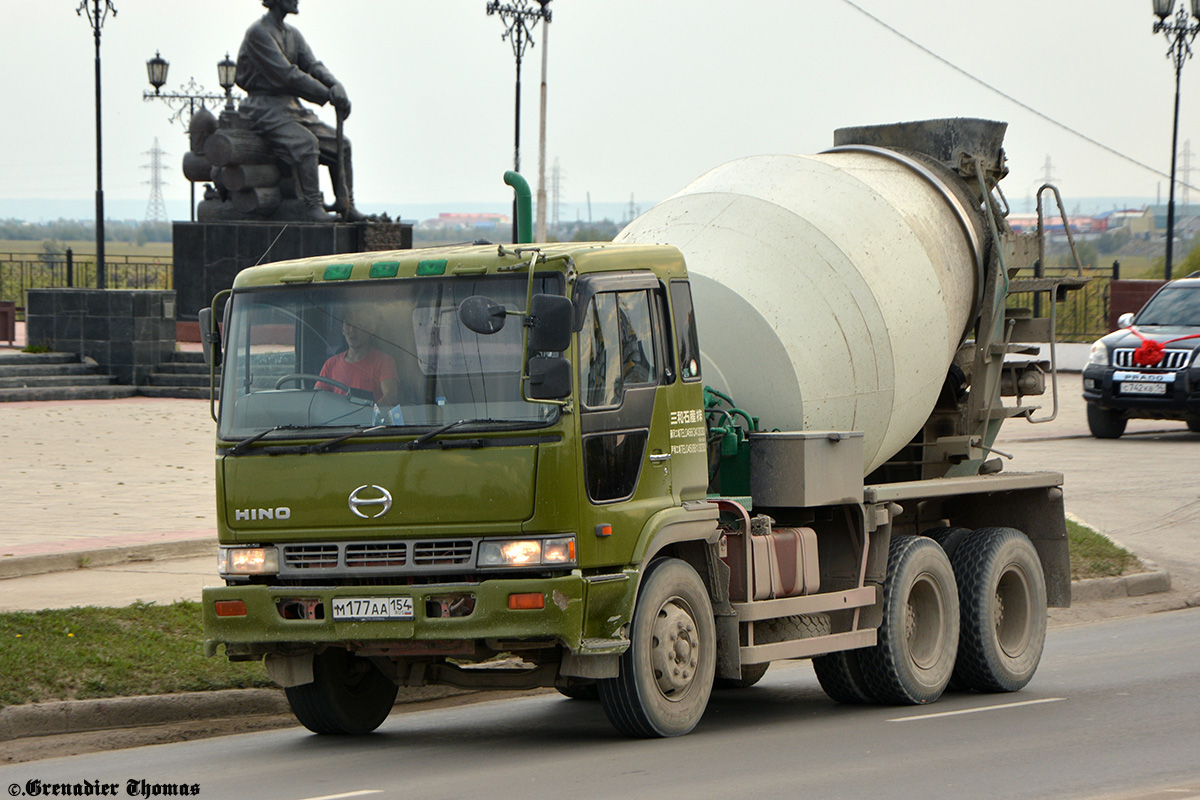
[96, 14]
[519, 20]
[1179, 32]
[541, 184]
[188, 95]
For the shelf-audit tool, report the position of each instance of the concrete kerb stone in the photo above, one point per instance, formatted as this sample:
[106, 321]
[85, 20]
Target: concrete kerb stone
[1153, 580]
[42, 563]
[81, 716]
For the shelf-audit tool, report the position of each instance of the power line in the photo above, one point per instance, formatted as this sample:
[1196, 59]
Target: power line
[1005, 95]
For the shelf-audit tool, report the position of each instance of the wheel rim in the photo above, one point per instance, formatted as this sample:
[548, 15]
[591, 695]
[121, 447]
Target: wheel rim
[675, 649]
[924, 622]
[1013, 611]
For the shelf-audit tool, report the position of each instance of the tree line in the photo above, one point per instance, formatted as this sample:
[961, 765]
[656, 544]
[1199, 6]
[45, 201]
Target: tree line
[73, 230]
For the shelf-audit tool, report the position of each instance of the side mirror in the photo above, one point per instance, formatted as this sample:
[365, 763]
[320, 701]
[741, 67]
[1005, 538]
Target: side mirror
[209, 336]
[550, 320]
[481, 314]
[549, 378]
[1125, 320]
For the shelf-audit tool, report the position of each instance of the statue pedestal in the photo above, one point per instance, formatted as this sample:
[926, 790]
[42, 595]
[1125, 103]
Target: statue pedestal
[208, 255]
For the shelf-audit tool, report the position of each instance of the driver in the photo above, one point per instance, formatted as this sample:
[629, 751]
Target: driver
[361, 365]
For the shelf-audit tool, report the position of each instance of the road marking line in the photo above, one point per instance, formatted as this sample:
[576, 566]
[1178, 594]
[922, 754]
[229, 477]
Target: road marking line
[359, 793]
[977, 710]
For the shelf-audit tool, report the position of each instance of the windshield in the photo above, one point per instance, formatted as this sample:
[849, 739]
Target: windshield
[1175, 305]
[391, 353]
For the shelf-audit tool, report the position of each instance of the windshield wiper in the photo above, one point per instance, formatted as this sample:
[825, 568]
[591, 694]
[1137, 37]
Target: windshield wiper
[321, 447]
[245, 443]
[436, 432]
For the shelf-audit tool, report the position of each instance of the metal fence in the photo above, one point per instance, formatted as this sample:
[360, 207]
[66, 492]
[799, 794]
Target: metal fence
[20, 272]
[1082, 315]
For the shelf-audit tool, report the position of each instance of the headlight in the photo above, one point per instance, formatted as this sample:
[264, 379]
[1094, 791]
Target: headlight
[247, 560]
[559, 551]
[1099, 354]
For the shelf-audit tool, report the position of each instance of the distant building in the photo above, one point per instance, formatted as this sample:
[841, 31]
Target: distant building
[463, 221]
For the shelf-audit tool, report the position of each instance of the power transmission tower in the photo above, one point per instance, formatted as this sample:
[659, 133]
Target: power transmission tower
[1048, 171]
[632, 208]
[156, 209]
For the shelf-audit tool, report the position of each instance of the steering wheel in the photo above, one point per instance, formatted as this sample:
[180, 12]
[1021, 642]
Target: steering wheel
[299, 376]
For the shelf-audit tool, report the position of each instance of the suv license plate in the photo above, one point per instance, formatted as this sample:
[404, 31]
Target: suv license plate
[1131, 387]
[372, 608]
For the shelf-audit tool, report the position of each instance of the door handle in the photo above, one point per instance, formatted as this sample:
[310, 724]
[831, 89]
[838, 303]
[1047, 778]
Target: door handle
[658, 457]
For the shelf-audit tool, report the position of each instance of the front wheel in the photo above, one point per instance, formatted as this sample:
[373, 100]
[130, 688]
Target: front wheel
[666, 675]
[1194, 425]
[914, 658]
[348, 695]
[1105, 423]
[1002, 595]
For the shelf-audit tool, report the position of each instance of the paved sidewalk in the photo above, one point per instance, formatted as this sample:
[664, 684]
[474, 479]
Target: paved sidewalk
[95, 482]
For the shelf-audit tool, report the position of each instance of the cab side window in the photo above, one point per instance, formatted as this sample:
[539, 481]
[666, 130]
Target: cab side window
[616, 347]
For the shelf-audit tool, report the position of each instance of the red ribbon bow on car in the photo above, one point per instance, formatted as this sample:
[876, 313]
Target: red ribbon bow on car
[1150, 352]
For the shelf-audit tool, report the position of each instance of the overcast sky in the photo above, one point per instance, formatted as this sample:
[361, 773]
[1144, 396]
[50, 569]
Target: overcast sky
[644, 95]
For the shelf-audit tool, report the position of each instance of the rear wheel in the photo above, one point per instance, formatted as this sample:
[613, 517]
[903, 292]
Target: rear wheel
[348, 695]
[1194, 425]
[799, 626]
[666, 675]
[918, 638]
[1105, 423]
[948, 538]
[1002, 596]
[841, 676]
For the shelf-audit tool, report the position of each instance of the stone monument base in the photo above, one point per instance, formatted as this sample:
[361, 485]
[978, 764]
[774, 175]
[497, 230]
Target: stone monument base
[208, 255]
[128, 332]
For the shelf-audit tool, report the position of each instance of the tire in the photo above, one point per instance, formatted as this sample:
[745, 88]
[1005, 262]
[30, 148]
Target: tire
[948, 538]
[579, 691]
[840, 675]
[348, 695]
[1104, 423]
[1002, 597]
[751, 674]
[918, 639]
[666, 675]
[800, 626]
[1194, 425]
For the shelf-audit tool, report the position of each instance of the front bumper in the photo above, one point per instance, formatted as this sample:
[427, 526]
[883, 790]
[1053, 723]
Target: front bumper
[264, 629]
[1181, 401]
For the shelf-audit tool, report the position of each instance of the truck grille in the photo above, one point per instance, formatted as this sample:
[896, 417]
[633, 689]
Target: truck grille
[310, 556]
[386, 554]
[365, 559]
[443, 553]
[1172, 359]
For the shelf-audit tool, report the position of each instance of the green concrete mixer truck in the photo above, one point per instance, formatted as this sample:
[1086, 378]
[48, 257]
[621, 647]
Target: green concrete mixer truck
[758, 425]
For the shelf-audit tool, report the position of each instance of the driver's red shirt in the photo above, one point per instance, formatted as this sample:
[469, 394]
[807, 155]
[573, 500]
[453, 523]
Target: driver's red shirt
[367, 374]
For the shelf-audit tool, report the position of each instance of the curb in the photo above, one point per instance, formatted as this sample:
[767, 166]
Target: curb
[1154, 581]
[43, 563]
[81, 716]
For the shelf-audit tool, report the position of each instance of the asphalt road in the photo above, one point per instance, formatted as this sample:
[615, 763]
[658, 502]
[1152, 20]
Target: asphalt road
[1111, 713]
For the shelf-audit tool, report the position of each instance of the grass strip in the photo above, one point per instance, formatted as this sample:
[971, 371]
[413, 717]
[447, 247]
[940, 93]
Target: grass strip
[80, 653]
[1094, 555]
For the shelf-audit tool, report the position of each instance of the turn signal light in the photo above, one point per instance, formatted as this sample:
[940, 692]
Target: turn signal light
[529, 600]
[230, 608]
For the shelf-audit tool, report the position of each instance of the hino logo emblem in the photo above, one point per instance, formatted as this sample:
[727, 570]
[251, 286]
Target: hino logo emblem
[357, 501]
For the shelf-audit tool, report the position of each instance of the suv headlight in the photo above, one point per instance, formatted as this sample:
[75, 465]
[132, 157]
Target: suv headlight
[247, 561]
[556, 552]
[1099, 354]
